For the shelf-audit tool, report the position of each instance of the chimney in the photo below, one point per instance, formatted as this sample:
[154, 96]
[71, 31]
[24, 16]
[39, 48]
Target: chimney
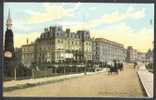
[67, 30]
[27, 41]
[50, 29]
[45, 29]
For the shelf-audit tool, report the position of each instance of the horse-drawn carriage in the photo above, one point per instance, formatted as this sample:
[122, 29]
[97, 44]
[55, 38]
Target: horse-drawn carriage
[114, 67]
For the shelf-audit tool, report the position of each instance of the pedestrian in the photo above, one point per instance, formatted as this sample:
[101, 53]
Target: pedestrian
[135, 64]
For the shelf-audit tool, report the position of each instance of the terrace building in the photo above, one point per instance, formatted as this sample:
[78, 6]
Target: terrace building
[108, 51]
[150, 56]
[132, 54]
[56, 45]
[141, 57]
[28, 54]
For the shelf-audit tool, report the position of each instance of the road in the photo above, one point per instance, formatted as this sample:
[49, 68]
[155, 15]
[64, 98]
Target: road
[101, 84]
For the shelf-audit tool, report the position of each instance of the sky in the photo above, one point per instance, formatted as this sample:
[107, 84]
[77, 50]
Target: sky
[129, 24]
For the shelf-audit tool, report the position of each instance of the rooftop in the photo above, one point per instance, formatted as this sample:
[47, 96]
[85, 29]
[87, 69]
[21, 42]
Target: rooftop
[109, 41]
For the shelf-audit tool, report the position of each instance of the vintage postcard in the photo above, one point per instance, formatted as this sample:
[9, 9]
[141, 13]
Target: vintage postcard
[78, 50]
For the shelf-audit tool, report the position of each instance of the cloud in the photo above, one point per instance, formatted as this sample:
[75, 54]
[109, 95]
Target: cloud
[20, 39]
[32, 13]
[116, 30]
[54, 11]
[51, 12]
[69, 24]
[135, 13]
[112, 18]
[117, 16]
[93, 8]
[141, 39]
[75, 8]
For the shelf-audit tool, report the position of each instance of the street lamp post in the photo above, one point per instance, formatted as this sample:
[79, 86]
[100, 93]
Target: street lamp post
[64, 69]
[85, 72]
[15, 73]
[32, 73]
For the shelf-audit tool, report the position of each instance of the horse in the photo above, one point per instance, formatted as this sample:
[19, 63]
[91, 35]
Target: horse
[120, 66]
[113, 69]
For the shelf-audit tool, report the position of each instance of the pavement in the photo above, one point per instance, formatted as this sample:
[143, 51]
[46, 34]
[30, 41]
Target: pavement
[146, 78]
[14, 84]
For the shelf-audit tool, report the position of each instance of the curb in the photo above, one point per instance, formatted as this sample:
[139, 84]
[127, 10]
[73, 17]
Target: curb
[142, 86]
[147, 87]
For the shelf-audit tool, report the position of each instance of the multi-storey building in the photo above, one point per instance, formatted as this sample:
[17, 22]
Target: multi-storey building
[56, 45]
[28, 54]
[131, 54]
[94, 51]
[141, 57]
[108, 51]
[18, 55]
[149, 56]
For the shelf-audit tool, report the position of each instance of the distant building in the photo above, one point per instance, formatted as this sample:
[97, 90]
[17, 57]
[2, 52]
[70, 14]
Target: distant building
[108, 51]
[141, 57]
[131, 54]
[150, 56]
[28, 54]
[94, 51]
[125, 54]
[18, 55]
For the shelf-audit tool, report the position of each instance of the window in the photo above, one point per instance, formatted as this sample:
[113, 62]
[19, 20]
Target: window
[71, 35]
